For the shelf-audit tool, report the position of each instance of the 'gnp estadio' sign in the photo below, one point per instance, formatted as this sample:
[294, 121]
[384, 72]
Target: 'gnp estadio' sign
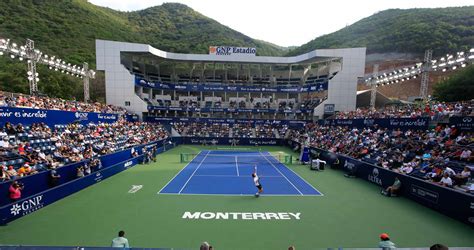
[227, 51]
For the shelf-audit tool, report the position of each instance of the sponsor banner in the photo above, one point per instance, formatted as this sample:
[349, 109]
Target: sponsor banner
[463, 123]
[314, 87]
[459, 205]
[228, 141]
[424, 193]
[69, 184]
[40, 182]
[229, 51]
[28, 116]
[329, 109]
[240, 216]
[229, 110]
[33, 203]
[132, 118]
[290, 123]
[390, 123]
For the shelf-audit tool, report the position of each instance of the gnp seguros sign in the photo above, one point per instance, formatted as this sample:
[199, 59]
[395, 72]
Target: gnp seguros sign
[227, 51]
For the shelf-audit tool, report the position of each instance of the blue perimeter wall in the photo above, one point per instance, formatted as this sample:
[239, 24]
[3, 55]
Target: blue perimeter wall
[456, 204]
[38, 192]
[448, 201]
[27, 116]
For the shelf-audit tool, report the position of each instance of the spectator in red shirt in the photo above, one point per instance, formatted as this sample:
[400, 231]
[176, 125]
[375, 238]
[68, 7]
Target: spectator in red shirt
[15, 191]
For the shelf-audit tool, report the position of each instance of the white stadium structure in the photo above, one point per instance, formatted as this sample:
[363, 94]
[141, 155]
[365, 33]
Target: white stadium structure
[149, 81]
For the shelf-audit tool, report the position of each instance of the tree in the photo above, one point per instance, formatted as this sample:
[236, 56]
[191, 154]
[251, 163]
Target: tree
[459, 87]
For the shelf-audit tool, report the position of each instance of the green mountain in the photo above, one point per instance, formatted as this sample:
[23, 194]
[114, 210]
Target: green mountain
[68, 29]
[445, 30]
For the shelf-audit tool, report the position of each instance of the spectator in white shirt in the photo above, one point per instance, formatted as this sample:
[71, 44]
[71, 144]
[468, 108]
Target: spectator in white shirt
[120, 241]
[450, 171]
[4, 143]
[446, 181]
[462, 177]
[407, 169]
[466, 154]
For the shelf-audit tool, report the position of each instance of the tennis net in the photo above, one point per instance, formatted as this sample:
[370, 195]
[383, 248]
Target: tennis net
[239, 158]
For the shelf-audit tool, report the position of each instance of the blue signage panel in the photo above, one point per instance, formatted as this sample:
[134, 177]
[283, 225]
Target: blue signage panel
[463, 123]
[39, 192]
[27, 116]
[229, 141]
[167, 120]
[230, 110]
[390, 123]
[313, 87]
[459, 205]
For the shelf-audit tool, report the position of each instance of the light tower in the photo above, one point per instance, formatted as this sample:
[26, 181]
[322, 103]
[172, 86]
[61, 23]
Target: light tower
[32, 57]
[425, 76]
[88, 74]
[373, 86]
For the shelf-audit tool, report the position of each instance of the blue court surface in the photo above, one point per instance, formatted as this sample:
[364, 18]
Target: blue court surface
[230, 173]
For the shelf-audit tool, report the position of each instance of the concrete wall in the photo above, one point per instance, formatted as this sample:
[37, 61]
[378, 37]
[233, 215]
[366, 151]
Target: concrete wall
[120, 87]
[343, 87]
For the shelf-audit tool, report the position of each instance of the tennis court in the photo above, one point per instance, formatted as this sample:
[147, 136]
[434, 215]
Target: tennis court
[215, 172]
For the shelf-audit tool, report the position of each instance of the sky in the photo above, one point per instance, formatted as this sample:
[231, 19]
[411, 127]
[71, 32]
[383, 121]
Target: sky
[289, 22]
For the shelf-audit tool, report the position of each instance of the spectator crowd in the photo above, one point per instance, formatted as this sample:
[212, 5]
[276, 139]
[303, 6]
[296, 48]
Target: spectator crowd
[241, 130]
[40, 102]
[26, 150]
[436, 111]
[440, 155]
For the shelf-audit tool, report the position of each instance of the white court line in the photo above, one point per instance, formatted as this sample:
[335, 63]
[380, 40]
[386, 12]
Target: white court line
[320, 193]
[217, 175]
[237, 166]
[256, 154]
[179, 172]
[281, 173]
[193, 172]
[276, 195]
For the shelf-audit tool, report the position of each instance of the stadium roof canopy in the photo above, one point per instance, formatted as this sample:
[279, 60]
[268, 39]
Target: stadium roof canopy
[159, 56]
[149, 61]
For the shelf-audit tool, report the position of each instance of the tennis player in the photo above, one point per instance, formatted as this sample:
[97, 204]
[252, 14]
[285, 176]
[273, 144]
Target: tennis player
[256, 181]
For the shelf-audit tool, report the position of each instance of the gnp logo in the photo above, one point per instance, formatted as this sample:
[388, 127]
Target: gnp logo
[350, 166]
[374, 177]
[81, 116]
[369, 122]
[128, 164]
[227, 51]
[27, 206]
[467, 119]
[98, 177]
